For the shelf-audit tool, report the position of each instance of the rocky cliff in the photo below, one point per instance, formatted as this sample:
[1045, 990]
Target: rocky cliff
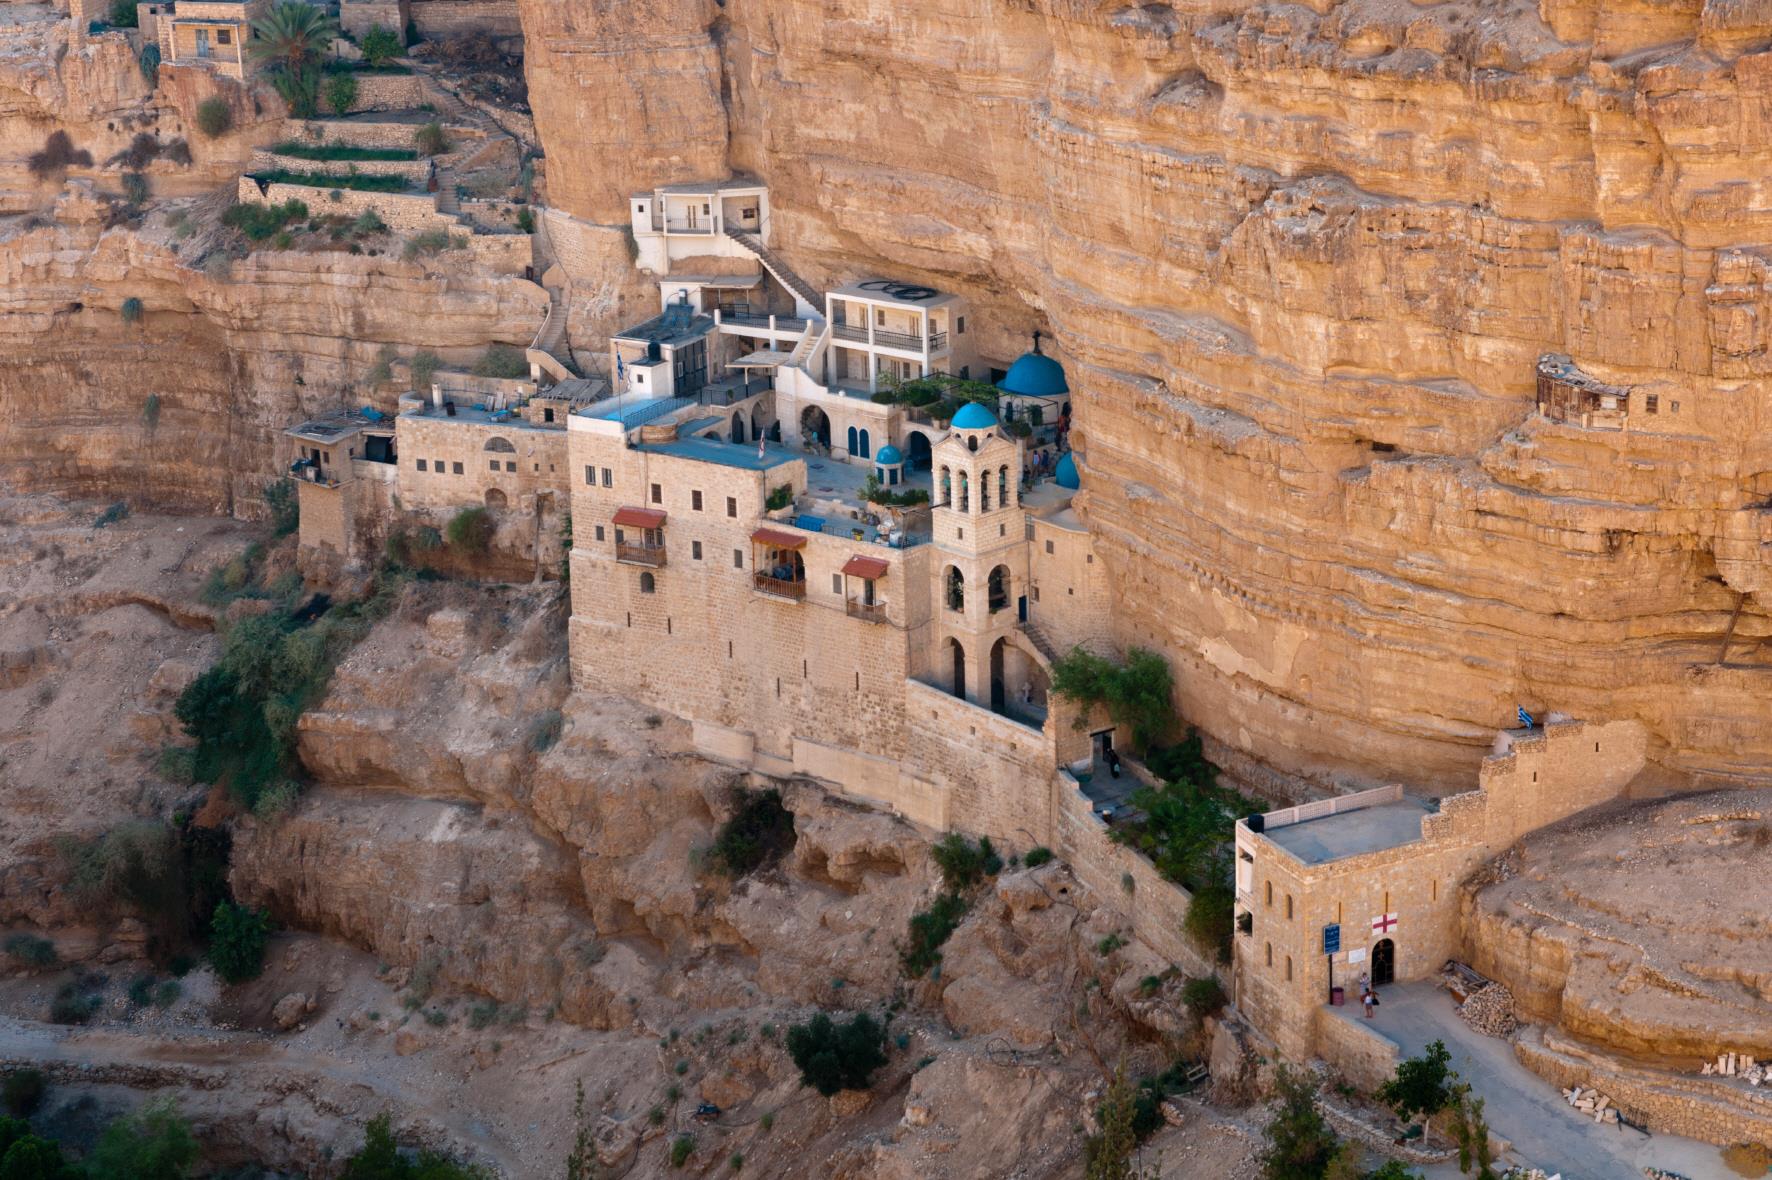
[1301, 261]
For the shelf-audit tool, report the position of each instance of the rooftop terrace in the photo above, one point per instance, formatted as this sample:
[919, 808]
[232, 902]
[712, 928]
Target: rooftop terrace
[330, 428]
[1351, 825]
[712, 450]
[633, 413]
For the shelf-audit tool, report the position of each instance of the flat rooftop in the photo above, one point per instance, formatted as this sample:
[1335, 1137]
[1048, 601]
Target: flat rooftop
[634, 413]
[733, 184]
[894, 293]
[672, 327]
[1352, 833]
[713, 450]
[329, 428]
[479, 415]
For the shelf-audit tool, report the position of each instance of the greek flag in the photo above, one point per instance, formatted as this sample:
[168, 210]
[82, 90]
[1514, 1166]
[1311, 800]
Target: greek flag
[1525, 717]
[620, 368]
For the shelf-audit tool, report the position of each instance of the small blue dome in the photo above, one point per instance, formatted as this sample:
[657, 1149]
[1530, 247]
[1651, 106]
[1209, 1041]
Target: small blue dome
[1066, 472]
[973, 416]
[1035, 375]
[887, 455]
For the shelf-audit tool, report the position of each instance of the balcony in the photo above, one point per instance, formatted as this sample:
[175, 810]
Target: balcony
[640, 553]
[904, 340]
[684, 227]
[938, 342]
[872, 612]
[780, 587]
[850, 332]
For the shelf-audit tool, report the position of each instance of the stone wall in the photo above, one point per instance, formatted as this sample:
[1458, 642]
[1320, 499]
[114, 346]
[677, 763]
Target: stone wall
[1361, 1054]
[997, 769]
[389, 92]
[415, 171]
[357, 17]
[327, 521]
[448, 18]
[460, 455]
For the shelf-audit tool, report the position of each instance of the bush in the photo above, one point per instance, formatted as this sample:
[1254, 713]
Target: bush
[929, 929]
[341, 92]
[215, 118]
[424, 368]
[58, 155]
[366, 223]
[1422, 1086]
[22, 1091]
[154, 1143]
[284, 505]
[470, 530]
[31, 950]
[1037, 856]
[1108, 1154]
[501, 360]
[380, 45]
[112, 515]
[72, 1005]
[131, 310]
[526, 220]
[356, 183]
[237, 941]
[964, 864]
[545, 731]
[1204, 996]
[122, 14]
[1135, 693]
[135, 189]
[25, 1156]
[682, 1147]
[432, 242]
[259, 221]
[779, 498]
[430, 140]
[759, 833]
[149, 64]
[833, 1057]
[1185, 825]
[330, 152]
[382, 1159]
[1299, 1141]
[1210, 918]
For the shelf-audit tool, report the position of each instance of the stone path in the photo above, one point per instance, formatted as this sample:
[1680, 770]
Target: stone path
[1524, 1108]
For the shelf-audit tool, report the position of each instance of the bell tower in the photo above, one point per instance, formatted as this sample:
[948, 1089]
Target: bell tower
[982, 569]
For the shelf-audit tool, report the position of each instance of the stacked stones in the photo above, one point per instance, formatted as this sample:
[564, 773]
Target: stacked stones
[1490, 1010]
[1518, 1172]
[1591, 1101]
[1739, 1065]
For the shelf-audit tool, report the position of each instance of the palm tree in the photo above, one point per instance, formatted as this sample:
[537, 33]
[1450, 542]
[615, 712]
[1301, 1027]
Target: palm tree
[290, 40]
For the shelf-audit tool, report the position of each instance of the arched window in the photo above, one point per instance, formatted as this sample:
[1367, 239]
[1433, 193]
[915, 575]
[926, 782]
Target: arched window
[867, 448]
[501, 445]
[1003, 486]
[965, 493]
[984, 493]
[1289, 967]
[1270, 893]
[956, 587]
[1288, 907]
[852, 442]
[997, 589]
[972, 443]
[946, 490]
[648, 583]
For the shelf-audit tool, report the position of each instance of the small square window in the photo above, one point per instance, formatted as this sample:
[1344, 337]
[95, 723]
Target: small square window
[224, 36]
[437, 466]
[1049, 546]
[456, 468]
[960, 330]
[1673, 407]
[738, 559]
[590, 476]
[731, 506]
[657, 494]
[960, 534]
[599, 532]
[608, 478]
[695, 500]
[1089, 559]
[547, 415]
[495, 464]
[695, 550]
[421, 464]
[511, 466]
[1652, 403]
[1036, 591]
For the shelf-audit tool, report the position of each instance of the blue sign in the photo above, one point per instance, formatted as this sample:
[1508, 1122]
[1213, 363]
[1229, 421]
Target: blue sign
[1332, 938]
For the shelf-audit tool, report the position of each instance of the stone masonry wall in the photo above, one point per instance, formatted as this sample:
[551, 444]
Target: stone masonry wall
[448, 18]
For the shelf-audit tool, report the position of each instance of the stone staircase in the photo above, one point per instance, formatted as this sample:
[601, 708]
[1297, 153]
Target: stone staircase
[812, 304]
[545, 351]
[447, 200]
[1041, 641]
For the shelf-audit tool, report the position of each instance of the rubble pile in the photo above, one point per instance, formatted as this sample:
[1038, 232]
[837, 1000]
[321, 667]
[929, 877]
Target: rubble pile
[1490, 1010]
[1662, 1174]
[1740, 1065]
[1517, 1172]
[1590, 1101]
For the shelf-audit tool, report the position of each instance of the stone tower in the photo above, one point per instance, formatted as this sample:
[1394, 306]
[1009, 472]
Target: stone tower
[982, 570]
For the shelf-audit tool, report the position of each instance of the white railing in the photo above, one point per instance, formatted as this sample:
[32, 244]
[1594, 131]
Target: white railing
[1359, 800]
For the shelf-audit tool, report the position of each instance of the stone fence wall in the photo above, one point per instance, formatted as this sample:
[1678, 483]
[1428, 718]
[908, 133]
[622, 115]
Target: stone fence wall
[359, 16]
[370, 134]
[389, 92]
[415, 171]
[446, 18]
[403, 212]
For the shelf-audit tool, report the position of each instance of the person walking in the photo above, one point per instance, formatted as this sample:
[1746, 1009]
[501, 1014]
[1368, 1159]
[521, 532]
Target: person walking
[1369, 1000]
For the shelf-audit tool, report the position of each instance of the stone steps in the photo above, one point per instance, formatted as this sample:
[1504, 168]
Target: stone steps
[782, 272]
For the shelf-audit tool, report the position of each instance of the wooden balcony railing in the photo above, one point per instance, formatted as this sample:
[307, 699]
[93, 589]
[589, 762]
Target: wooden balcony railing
[634, 553]
[873, 612]
[781, 587]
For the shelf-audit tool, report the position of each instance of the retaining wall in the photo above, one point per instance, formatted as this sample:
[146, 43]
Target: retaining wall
[415, 171]
[447, 18]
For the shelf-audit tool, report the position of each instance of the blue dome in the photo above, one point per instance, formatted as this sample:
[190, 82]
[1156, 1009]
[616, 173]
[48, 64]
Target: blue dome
[887, 455]
[973, 416]
[1035, 375]
[1066, 472]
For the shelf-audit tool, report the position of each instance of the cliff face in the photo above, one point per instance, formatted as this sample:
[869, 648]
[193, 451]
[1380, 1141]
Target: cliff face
[1301, 262]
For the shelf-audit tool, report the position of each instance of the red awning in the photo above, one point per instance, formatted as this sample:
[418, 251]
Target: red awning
[778, 539]
[639, 518]
[865, 567]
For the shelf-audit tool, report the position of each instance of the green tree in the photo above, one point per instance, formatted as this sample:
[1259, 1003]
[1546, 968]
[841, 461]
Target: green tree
[470, 530]
[1299, 1141]
[154, 1143]
[833, 1056]
[380, 45]
[1135, 693]
[430, 139]
[290, 41]
[759, 833]
[215, 117]
[28, 1157]
[1423, 1086]
[341, 91]
[381, 1159]
[1470, 1130]
[1109, 1154]
[237, 938]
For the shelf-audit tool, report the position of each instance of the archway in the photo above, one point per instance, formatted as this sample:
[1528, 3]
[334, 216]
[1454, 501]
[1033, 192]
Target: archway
[918, 454]
[956, 589]
[957, 676]
[495, 499]
[1384, 962]
[815, 426]
[867, 447]
[997, 589]
[757, 422]
[999, 687]
[738, 426]
[853, 440]
[500, 445]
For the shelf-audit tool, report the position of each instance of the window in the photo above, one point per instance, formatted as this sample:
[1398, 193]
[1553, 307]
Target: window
[836, 583]
[437, 466]
[494, 464]
[657, 494]
[1288, 966]
[547, 415]
[1049, 547]
[456, 467]
[1036, 592]
[738, 559]
[640, 209]
[511, 466]
[965, 372]
[732, 506]
[608, 478]
[224, 36]
[1673, 407]
[1288, 907]
[695, 500]
[960, 330]
[648, 583]
[1270, 954]
[879, 317]
[590, 476]
[421, 464]
[1270, 893]
[1652, 403]
[599, 532]
[695, 550]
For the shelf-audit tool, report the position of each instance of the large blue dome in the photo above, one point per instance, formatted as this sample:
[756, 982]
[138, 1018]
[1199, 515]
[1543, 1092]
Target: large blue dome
[1066, 472]
[973, 416]
[887, 455]
[1035, 375]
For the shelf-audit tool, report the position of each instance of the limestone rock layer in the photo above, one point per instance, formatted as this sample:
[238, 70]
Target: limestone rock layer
[1301, 262]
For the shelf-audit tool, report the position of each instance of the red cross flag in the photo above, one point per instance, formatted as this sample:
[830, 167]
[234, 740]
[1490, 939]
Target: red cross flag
[1383, 923]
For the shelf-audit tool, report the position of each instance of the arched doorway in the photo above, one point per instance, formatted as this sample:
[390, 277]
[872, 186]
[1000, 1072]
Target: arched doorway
[997, 589]
[1384, 962]
[757, 422]
[956, 589]
[495, 499]
[957, 678]
[867, 446]
[815, 426]
[738, 426]
[999, 686]
[918, 454]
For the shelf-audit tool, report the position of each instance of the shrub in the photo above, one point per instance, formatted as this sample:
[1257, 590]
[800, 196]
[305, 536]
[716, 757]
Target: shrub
[300, 150]
[383, 368]
[759, 832]
[135, 189]
[25, 1156]
[1184, 826]
[215, 118]
[432, 242]
[58, 155]
[682, 1147]
[259, 221]
[382, 1159]
[545, 731]
[1204, 996]
[141, 991]
[122, 14]
[151, 409]
[341, 92]
[167, 993]
[31, 950]
[22, 1091]
[1299, 1141]
[72, 1005]
[501, 360]
[1135, 693]
[1422, 1086]
[284, 506]
[526, 220]
[470, 530]
[326, 180]
[368, 222]
[153, 1143]
[430, 139]
[1037, 856]
[149, 63]
[1209, 919]
[131, 310]
[380, 45]
[964, 864]
[929, 929]
[779, 498]
[833, 1057]
[424, 368]
[237, 941]
[112, 515]
[1108, 1154]
[1393, 1170]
